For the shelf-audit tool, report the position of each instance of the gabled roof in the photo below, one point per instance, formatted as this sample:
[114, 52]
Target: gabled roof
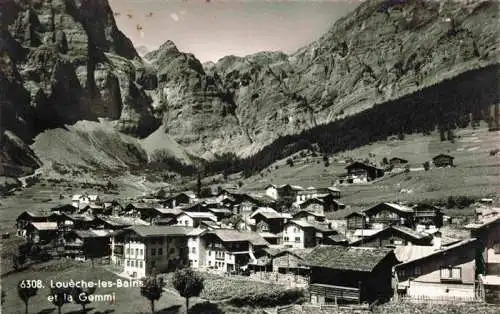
[397, 207]
[200, 215]
[169, 211]
[362, 214]
[399, 229]
[346, 258]
[443, 251]
[484, 224]
[92, 233]
[312, 213]
[411, 252]
[362, 165]
[123, 221]
[157, 231]
[311, 225]
[443, 155]
[232, 235]
[44, 225]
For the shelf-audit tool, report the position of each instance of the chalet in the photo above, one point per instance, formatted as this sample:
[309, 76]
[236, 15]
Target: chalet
[290, 261]
[193, 219]
[167, 213]
[25, 218]
[142, 250]
[350, 274]
[65, 208]
[82, 200]
[183, 198]
[356, 220]
[268, 220]
[196, 248]
[309, 216]
[362, 172]
[301, 234]
[488, 235]
[283, 192]
[397, 162]
[77, 221]
[443, 160]
[321, 205]
[87, 243]
[428, 215]
[312, 192]
[489, 288]
[113, 208]
[144, 210]
[447, 272]
[118, 222]
[41, 232]
[229, 249]
[387, 214]
[220, 213]
[394, 236]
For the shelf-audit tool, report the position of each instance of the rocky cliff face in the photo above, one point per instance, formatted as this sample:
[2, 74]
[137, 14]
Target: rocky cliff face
[383, 50]
[62, 61]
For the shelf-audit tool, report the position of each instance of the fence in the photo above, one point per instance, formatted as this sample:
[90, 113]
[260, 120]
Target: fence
[439, 299]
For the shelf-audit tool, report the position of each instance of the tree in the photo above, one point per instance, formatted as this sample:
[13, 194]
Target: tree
[152, 289]
[80, 296]
[289, 162]
[385, 161]
[240, 183]
[59, 297]
[3, 297]
[25, 290]
[188, 283]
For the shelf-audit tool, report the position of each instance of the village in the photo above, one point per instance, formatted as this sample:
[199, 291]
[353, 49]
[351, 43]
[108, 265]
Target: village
[390, 251]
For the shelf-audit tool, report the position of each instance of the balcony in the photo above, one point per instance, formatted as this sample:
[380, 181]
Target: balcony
[335, 292]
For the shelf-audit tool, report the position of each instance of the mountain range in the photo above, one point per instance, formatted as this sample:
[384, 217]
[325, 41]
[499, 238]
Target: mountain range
[75, 93]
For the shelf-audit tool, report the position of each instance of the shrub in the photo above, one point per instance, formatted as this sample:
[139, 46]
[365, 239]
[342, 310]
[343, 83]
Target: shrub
[493, 152]
[276, 298]
[289, 162]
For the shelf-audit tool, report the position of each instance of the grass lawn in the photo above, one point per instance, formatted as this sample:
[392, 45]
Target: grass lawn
[128, 300]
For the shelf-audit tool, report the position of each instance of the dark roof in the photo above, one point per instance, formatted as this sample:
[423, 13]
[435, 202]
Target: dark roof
[158, 231]
[443, 155]
[346, 258]
[232, 235]
[400, 159]
[309, 213]
[396, 207]
[338, 238]
[362, 165]
[311, 225]
[355, 214]
[405, 230]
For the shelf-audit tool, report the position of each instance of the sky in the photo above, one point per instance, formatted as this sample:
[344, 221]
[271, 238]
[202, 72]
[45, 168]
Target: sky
[214, 29]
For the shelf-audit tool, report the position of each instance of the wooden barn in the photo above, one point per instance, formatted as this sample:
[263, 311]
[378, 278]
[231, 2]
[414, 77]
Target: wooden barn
[388, 214]
[443, 160]
[394, 236]
[342, 274]
[356, 220]
[360, 169]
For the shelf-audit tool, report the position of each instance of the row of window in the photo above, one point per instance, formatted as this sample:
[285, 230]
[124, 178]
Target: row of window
[287, 239]
[218, 254]
[132, 263]
[446, 273]
[217, 264]
[295, 230]
[130, 251]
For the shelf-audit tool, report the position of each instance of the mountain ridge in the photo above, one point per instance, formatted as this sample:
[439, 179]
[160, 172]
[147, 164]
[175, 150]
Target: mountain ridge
[60, 66]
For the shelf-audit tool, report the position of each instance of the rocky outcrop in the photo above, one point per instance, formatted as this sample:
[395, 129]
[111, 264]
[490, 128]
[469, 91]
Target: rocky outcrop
[381, 51]
[62, 61]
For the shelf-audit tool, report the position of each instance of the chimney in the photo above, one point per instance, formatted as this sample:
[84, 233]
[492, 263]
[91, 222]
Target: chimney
[436, 241]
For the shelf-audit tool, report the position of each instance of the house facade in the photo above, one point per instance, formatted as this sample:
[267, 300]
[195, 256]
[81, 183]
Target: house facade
[443, 160]
[488, 234]
[395, 236]
[388, 214]
[349, 274]
[301, 234]
[142, 250]
[448, 272]
[194, 219]
[358, 172]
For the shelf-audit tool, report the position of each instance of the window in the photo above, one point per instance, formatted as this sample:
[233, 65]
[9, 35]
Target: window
[141, 251]
[128, 263]
[295, 229]
[193, 250]
[160, 251]
[140, 264]
[297, 239]
[136, 263]
[128, 251]
[451, 273]
[209, 253]
[286, 238]
[418, 271]
[209, 263]
[496, 248]
[153, 252]
[186, 222]
[136, 251]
